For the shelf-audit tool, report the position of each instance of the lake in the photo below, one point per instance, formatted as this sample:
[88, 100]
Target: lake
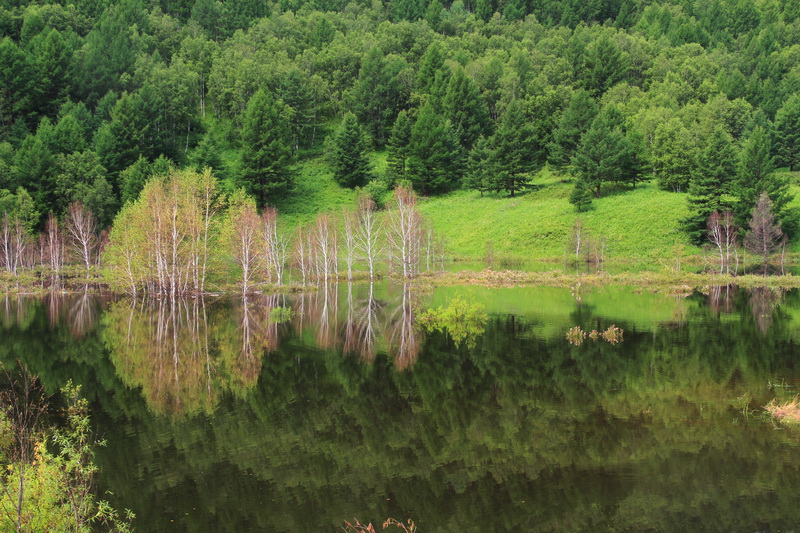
[297, 412]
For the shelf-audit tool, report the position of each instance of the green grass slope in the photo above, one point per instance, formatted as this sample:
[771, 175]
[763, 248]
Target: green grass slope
[640, 225]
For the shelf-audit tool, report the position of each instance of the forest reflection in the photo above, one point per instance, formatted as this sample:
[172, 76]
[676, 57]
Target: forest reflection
[78, 311]
[186, 354]
[337, 399]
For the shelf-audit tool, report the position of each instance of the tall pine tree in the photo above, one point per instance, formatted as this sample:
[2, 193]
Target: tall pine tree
[574, 122]
[266, 148]
[397, 146]
[464, 106]
[787, 137]
[515, 150]
[436, 158]
[480, 166]
[606, 154]
[755, 175]
[710, 189]
[349, 159]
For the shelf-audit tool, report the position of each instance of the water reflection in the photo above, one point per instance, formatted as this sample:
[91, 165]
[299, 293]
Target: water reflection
[181, 354]
[764, 302]
[518, 431]
[404, 337]
[185, 354]
[80, 312]
[721, 298]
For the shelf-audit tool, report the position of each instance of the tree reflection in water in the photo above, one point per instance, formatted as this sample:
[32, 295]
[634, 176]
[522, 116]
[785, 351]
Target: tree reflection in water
[184, 356]
[721, 298]
[404, 336]
[593, 437]
[764, 302]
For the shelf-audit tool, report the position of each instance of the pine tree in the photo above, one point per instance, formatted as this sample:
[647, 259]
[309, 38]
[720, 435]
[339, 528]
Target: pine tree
[605, 154]
[372, 97]
[464, 106]
[756, 175]
[75, 171]
[711, 186]
[581, 196]
[674, 156]
[323, 32]
[515, 150]
[480, 166]
[295, 91]
[69, 135]
[408, 9]
[122, 141]
[787, 137]
[574, 121]
[133, 178]
[207, 155]
[266, 148]
[350, 164]
[33, 168]
[431, 64]
[605, 65]
[52, 56]
[484, 9]
[754, 171]
[436, 159]
[397, 146]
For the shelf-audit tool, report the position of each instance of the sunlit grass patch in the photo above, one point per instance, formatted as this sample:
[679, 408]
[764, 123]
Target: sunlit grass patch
[786, 412]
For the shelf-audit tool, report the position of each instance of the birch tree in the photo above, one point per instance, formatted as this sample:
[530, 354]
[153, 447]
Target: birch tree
[53, 244]
[82, 228]
[404, 232]
[367, 233]
[244, 243]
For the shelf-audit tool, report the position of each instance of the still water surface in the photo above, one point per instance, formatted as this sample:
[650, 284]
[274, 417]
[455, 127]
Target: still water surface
[296, 412]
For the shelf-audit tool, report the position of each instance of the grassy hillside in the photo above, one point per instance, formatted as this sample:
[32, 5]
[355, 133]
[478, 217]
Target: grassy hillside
[641, 226]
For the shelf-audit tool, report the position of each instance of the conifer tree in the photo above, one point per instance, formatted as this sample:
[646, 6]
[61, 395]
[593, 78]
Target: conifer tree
[674, 156]
[711, 186]
[295, 91]
[515, 151]
[605, 65]
[397, 146]
[266, 148]
[787, 129]
[581, 196]
[463, 105]
[431, 64]
[371, 97]
[755, 175]
[480, 166]
[606, 153]
[574, 121]
[350, 164]
[436, 159]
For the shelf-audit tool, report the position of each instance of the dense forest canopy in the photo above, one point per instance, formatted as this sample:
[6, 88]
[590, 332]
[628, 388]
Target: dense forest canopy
[700, 95]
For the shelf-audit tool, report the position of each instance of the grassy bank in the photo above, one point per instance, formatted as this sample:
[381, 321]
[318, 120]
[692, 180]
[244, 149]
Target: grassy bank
[640, 226]
[656, 281]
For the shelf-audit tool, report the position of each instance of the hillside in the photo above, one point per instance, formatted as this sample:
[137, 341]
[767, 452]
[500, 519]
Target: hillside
[641, 226]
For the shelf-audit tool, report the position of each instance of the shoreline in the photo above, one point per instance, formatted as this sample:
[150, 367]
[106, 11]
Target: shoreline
[678, 283]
